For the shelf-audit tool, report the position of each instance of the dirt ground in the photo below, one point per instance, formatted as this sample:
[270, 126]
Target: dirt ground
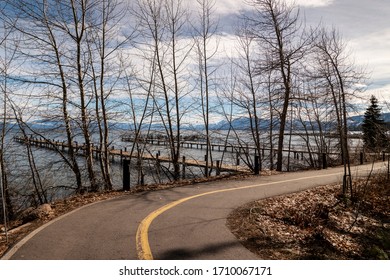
[314, 224]
[318, 224]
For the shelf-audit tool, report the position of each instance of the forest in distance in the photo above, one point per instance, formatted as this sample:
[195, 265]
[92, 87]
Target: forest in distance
[78, 71]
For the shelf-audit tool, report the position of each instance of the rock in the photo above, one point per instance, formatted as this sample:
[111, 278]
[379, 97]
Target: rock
[31, 214]
[44, 210]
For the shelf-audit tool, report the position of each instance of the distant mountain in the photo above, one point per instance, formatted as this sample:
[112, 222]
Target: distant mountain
[241, 123]
[356, 122]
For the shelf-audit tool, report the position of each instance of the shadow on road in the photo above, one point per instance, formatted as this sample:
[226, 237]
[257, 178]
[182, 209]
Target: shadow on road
[206, 252]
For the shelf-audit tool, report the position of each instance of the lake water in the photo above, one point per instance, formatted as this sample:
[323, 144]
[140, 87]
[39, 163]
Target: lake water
[58, 180]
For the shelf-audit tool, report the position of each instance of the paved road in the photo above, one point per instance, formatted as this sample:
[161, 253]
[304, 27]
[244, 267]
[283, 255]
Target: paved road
[182, 223]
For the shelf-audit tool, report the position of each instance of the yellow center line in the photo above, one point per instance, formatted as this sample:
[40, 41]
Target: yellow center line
[142, 240]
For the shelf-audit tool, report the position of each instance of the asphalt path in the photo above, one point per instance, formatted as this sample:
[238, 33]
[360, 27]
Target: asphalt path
[180, 223]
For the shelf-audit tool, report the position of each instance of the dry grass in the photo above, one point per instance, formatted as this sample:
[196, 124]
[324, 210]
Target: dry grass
[318, 224]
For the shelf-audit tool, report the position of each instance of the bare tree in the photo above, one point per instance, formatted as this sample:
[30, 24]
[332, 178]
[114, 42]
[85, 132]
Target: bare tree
[103, 46]
[6, 57]
[77, 33]
[140, 110]
[163, 24]
[278, 29]
[41, 29]
[340, 76]
[312, 117]
[70, 47]
[250, 97]
[205, 31]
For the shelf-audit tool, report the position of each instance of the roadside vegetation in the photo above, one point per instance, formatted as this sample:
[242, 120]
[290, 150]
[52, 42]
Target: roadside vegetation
[319, 224]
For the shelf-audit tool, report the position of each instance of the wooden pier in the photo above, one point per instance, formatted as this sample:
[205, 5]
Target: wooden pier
[217, 166]
[190, 144]
[121, 154]
[226, 147]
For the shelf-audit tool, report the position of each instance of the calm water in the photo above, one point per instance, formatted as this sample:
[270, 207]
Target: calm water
[58, 180]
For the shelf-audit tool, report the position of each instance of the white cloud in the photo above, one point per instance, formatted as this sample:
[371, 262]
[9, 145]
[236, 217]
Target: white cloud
[312, 3]
[235, 6]
[372, 50]
[221, 7]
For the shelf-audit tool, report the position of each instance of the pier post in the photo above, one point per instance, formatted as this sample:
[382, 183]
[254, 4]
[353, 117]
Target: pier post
[361, 158]
[237, 159]
[158, 166]
[206, 168]
[257, 165]
[126, 174]
[218, 170]
[324, 161]
[183, 166]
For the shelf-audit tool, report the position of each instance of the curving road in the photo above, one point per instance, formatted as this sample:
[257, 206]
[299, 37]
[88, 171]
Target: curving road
[181, 223]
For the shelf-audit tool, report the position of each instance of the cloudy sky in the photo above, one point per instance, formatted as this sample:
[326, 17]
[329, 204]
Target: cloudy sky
[364, 25]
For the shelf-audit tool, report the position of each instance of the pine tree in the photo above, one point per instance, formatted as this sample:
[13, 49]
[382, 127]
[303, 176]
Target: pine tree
[374, 128]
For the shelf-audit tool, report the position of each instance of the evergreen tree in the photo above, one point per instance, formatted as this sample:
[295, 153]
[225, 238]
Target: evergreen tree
[374, 128]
